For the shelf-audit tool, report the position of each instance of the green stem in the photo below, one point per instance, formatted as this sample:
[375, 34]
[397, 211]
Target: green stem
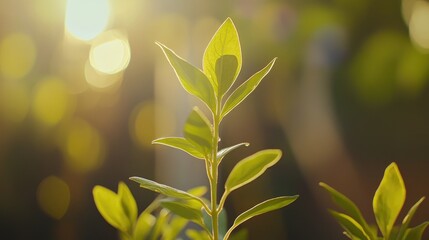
[214, 175]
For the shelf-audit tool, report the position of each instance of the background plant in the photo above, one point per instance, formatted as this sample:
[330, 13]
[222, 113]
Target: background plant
[221, 65]
[387, 203]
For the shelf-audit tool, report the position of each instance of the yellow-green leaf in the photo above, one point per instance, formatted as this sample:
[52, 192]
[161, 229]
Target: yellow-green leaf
[223, 49]
[193, 80]
[181, 144]
[351, 226]
[128, 202]
[416, 233]
[389, 199]
[239, 94]
[250, 168]
[223, 152]
[183, 210]
[261, 208]
[198, 131]
[109, 205]
[144, 225]
[407, 219]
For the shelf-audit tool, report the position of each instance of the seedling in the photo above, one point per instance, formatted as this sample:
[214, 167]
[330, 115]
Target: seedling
[387, 204]
[213, 85]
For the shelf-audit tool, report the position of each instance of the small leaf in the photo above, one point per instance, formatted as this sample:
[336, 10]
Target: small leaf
[177, 224]
[416, 233]
[352, 227]
[192, 79]
[180, 143]
[250, 168]
[198, 131]
[164, 189]
[222, 153]
[348, 206]
[225, 42]
[198, 191]
[389, 199]
[183, 210]
[109, 205]
[161, 222]
[128, 202]
[408, 217]
[144, 225]
[261, 208]
[245, 89]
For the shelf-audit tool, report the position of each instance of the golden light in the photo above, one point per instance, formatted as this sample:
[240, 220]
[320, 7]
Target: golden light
[84, 147]
[102, 81]
[418, 24]
[14, 101]
[86, 19]
[53, 196]
[110, 53]
[17, 55]
[51, 101]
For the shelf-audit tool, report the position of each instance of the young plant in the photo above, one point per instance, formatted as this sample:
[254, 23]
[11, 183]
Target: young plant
[387, 204]
[221, 65]
[120, 211]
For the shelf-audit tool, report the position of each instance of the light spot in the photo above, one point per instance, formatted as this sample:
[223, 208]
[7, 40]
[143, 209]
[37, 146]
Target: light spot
[51, 101]
[17, 55]
[84, 147]
[53, 196]
[110, 53]
[418, 24]
[14, 101]
[102, 81]
[86, 19]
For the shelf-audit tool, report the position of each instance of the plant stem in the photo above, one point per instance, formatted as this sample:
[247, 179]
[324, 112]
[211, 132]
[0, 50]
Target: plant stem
[214, 175]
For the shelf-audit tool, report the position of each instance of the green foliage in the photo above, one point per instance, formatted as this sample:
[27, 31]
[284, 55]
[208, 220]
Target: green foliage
[388, 201]
[120, 211]
[222, 63]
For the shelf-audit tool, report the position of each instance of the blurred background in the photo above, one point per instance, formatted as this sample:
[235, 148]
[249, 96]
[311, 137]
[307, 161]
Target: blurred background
[84, 90]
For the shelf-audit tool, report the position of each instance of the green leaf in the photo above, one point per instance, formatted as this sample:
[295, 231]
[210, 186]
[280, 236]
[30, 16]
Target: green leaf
[408, 217]
[128, 202]
[183, 210]
[164, 189]
[177, 224]
[161, 222]
[193, 80]
[226, 70]
[348, 206]
[250, 168]
[389, 199]
[352, 227]
[222, 58]
[261, 208]
[416, 233]
[109, 205]
[242, 234]
[198, 191]
[245, 89]
[222, 153]
[197, 235]
[143, 226]
[198, 131]
[180, 143]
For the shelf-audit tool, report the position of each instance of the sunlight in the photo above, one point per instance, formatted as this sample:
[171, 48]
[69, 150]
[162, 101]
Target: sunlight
[419, 31]
[86, 19]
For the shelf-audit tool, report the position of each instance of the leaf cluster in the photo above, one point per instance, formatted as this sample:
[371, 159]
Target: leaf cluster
[387, 203]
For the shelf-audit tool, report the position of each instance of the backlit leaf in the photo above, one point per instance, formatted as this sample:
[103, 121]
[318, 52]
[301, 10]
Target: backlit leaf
[183, 210]
[348, 206]
[198, 131]
[261, 208]
[222, 153]
[144, 225]
[225, 42]
[164, 189]
[180, 143]
[250, 168]
[193, 80]
[389, 199]
[128, 202]
[109, 205]
[408, 217]
[352, 227]
[177, 224]
[245, 89]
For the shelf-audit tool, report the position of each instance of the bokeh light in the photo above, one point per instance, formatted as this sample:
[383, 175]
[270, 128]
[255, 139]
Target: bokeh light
[17, 55]
[84, 148]
[53, 196]
[102, 81]
[14, 101]
[110, 53]
[86, 19]
[418, 24]
[51, 101]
